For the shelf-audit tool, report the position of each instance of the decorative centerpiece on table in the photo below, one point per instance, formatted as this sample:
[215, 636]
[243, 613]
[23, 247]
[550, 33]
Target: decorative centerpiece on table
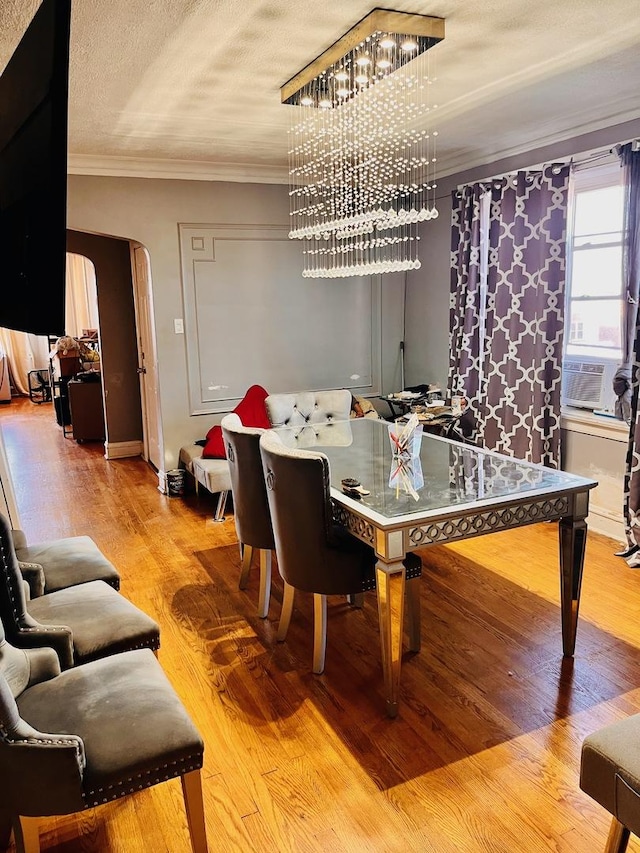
[406, 470]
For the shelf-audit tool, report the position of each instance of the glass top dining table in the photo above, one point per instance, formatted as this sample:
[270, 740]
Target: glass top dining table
[441, 492]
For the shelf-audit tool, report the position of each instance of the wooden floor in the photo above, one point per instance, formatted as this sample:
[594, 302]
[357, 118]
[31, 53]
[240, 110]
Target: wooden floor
[484, 755]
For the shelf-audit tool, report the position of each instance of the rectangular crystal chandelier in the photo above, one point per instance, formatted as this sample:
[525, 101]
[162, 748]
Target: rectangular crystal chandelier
[362, 150]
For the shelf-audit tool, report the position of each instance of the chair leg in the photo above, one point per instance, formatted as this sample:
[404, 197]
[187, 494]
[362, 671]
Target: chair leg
[265, 583]
[319, 632]
[412, 609]
[26, 834]
[356, 599]
[222, 499]
[618, 837]
[287, 610]
[194, 806]
[247, 554]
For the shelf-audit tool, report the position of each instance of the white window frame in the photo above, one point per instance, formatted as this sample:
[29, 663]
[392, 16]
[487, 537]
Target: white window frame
[583, 179]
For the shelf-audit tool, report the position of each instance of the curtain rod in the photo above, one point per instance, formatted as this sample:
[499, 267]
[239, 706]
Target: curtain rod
[581, 159]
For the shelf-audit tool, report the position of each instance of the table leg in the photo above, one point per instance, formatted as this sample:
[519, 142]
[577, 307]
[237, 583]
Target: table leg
[390, 583]
[573, 539]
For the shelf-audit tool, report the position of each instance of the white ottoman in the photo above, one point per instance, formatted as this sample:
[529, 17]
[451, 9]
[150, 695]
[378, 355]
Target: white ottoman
[212, 474]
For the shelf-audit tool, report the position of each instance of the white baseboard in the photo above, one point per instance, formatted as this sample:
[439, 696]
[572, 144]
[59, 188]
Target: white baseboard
[162, 481]
[122, 449]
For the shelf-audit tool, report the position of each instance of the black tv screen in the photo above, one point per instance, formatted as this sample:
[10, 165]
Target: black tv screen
[33, 174]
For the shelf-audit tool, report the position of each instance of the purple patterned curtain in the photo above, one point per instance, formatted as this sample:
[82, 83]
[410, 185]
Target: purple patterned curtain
[525, 314]
[517, 401]
[630, 161]
[467, 306]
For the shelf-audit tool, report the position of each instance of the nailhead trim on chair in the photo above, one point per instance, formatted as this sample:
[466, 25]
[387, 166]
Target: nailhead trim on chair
[42, 629]
[11, 591]
[152, 777]
[60, 741]
[154, 647]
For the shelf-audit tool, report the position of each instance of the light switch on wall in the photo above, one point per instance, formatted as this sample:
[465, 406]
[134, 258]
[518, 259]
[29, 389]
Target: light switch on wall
[178, 327]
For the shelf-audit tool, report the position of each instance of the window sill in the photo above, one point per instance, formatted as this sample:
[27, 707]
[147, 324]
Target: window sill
[584, 421]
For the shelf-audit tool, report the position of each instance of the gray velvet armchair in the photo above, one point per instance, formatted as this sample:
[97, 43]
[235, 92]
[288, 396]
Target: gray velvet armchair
[73, 740]
[61, 563]
[82, 623]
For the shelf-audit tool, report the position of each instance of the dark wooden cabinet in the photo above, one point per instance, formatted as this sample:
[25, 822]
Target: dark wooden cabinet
[86, 409]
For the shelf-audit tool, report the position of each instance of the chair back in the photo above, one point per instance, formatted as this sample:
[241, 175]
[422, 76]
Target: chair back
[13, 601]
[251, 507]
[308, 407]
[317, 436]
[310, 556]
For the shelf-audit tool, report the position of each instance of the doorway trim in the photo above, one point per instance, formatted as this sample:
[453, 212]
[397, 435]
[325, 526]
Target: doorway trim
[152, 440]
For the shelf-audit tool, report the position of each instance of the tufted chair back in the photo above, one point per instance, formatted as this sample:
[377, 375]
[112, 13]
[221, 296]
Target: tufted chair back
[314, 554]
[308, 407]
[251, 507]
[331, 434]
[13, 599]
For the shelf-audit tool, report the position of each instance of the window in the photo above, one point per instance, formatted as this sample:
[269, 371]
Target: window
[594, 264]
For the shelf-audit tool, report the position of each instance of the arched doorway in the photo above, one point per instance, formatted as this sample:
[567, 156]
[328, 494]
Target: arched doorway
[111, 258]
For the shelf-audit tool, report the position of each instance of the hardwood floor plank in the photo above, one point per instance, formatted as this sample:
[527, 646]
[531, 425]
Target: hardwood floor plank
[484, 755]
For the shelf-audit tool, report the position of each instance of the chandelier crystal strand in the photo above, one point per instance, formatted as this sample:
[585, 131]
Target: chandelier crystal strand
[361, 155]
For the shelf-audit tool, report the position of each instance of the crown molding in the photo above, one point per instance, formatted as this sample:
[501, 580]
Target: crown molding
[180, 170]
[485, 155]
[186, 170]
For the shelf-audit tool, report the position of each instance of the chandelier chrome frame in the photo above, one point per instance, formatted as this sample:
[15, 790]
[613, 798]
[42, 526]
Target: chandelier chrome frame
[362, 153]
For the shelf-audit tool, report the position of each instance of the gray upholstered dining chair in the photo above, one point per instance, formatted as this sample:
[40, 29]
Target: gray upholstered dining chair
[60, 563]
[308, 407]
[250, 504]
[316, 554]
[610, 773]
[88, 736]
[81, 623]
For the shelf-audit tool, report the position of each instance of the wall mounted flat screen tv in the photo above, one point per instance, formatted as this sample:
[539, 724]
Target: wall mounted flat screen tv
[33, 174]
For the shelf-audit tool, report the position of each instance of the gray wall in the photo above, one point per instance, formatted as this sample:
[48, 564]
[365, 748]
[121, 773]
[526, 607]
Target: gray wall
[149, 211]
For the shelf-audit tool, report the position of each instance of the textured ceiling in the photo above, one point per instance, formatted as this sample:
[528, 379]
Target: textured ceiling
[191, 87]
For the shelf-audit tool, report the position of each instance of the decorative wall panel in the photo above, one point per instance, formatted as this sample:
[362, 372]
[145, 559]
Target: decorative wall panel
[250, 317]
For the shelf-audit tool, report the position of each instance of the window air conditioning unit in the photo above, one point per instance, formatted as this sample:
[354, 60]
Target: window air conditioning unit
[588, 382]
